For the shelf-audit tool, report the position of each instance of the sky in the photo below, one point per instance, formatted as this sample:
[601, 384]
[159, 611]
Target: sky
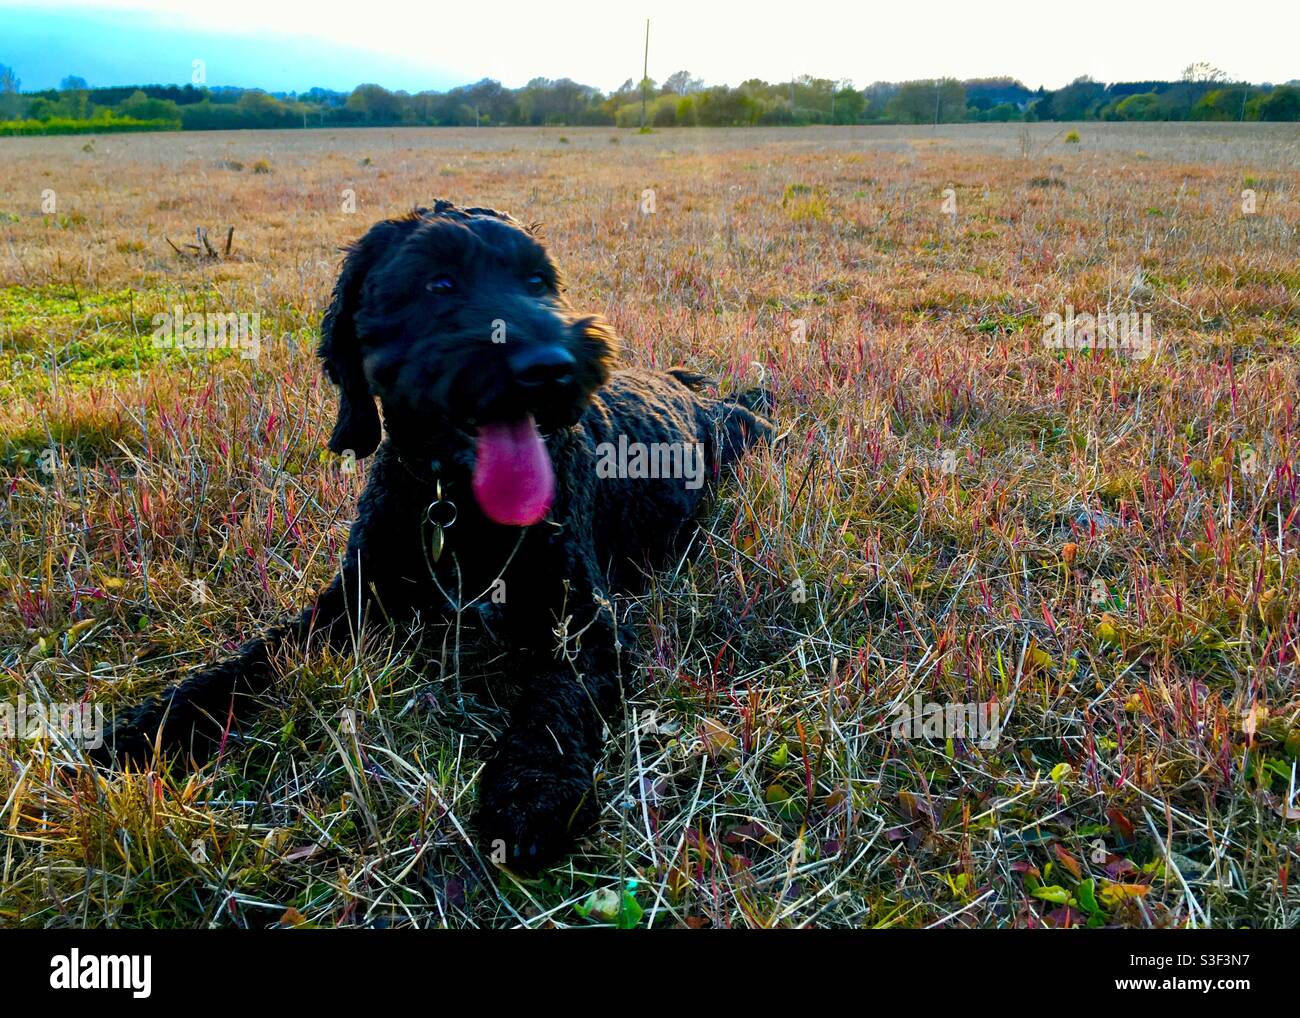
[293, 45]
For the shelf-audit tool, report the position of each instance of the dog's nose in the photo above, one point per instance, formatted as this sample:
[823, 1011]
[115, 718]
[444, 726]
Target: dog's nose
[539, 366]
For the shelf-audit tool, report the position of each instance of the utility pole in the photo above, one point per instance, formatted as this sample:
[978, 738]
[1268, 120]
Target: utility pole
[645, 72]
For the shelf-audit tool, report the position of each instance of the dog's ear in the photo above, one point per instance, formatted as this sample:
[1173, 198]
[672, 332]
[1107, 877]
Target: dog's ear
[357, 427]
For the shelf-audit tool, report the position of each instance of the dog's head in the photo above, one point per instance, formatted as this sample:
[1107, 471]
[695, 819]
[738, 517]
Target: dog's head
[456, 320]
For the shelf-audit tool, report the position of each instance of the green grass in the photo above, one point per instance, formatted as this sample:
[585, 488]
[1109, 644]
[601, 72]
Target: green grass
[57, 335]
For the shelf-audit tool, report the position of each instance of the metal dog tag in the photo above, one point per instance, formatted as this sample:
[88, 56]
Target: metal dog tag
[440, 514]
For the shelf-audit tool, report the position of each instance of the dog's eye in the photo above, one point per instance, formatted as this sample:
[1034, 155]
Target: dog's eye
[537, 282]
[440, 284]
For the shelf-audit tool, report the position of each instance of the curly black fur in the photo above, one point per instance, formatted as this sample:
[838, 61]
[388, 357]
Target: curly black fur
[411, 323]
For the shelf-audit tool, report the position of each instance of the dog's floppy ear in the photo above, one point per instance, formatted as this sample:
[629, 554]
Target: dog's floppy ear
[357, 427]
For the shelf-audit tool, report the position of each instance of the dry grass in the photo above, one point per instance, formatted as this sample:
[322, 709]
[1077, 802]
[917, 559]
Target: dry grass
[1094, 552]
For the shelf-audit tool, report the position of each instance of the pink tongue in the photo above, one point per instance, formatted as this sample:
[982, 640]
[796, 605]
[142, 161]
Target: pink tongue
[513, 480]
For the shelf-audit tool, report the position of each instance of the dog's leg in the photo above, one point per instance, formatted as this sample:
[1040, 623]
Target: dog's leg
[192, 715]
[537, 793]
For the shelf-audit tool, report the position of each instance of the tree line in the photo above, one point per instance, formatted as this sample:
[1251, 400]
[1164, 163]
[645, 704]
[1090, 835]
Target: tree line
[681, 100]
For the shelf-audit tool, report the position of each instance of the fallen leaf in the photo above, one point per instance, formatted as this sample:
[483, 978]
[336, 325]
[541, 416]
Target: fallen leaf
[1069, 862]
[1113, 894]
[716, 737]
[1052, 892]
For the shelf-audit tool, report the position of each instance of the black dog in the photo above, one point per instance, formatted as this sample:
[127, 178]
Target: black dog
[516, 461]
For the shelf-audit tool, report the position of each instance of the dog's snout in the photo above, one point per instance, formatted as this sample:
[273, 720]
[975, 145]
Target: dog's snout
[538, 366]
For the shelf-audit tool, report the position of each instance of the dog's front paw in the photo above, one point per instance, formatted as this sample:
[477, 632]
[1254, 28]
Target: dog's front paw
[528, 817]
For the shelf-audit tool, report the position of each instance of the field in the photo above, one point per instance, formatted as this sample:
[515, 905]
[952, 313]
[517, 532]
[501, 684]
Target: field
[1099, 545]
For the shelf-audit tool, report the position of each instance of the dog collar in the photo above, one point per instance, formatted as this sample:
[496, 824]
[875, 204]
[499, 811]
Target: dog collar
[435, 469]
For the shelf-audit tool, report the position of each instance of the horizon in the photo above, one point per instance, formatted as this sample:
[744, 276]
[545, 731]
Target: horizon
[115, 43]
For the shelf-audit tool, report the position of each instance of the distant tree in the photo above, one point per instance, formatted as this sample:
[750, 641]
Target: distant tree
[140, 106]
[985, 93]
[999, 114]
[1202, 71]
[1079, 100]
[210, 116]
[877, 96]
[952, 101]
[374, 104]
[10, 101]
[543, 101]
[928, 102]
[256, 108]
[495, 103]
[76, 105]
[1143, 106]
[1179, 99]
[1203, 93]
[42, 108]
[1283, 103]
[325, 97]
[1222, 104]
[849, 105]
[681, 83]
[913, 103]
[721, 106]
[663, 111]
